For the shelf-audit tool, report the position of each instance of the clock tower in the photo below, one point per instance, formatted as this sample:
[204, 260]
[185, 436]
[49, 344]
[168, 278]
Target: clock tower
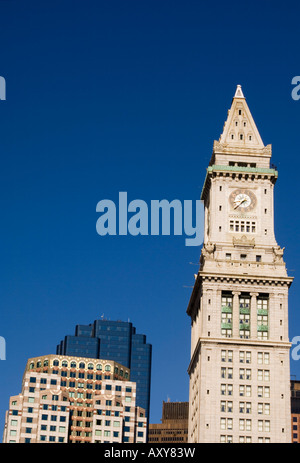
[239, 369]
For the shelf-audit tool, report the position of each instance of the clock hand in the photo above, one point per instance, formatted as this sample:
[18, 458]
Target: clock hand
[237, 205]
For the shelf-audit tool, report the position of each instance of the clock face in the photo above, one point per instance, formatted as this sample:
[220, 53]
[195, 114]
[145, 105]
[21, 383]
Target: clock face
[242, 200]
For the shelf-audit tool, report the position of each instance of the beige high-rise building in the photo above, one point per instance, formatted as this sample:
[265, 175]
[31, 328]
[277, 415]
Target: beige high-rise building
[75, 400]
[239, 369]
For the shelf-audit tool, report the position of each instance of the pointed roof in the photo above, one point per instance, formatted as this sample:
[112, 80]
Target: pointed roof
[239, 129]
[238, 92]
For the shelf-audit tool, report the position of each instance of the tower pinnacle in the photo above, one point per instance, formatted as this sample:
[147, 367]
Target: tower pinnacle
[239, 92]
[240, 129]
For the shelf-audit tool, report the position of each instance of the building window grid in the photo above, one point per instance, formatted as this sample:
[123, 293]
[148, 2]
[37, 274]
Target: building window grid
[226, 316]
[262, 318]
[244, 304]
[242, 226]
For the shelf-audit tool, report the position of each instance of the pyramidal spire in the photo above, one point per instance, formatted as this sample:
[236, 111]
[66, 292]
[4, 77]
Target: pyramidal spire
[238, 92]
[240, 129]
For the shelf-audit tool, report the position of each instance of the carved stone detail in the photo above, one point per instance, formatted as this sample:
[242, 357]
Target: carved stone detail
[243, 241]
[278, 253]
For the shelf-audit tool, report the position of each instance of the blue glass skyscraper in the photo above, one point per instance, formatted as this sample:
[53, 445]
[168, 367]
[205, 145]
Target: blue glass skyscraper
[118, 341]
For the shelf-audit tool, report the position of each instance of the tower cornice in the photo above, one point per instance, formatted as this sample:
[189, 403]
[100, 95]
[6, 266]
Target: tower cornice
[262, 281]
[237, 172]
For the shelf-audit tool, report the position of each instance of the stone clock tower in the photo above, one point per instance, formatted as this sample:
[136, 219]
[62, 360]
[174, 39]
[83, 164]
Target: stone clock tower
[239, 369]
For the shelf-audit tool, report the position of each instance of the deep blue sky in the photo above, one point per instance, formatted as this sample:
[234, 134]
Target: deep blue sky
[109, 96]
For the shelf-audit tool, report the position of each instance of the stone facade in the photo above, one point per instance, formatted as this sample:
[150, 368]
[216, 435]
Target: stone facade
[239, 369]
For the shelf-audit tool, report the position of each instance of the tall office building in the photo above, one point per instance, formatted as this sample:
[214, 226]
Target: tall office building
[118, 341]
[239, 369]
[75, 400]
[173, 426]
[295, 410]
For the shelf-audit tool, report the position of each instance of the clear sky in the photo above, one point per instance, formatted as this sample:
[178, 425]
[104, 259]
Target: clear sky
[110, 96]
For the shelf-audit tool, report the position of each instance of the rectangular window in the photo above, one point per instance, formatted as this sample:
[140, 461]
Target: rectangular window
[226, 315]
[262, 317]
[248, 391]
[240, 226]
[226, 423]
[244, 303]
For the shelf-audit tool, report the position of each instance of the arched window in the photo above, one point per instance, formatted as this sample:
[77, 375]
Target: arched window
[107, 368]
[73, 365]
[55, 363]
[82, 365]
[64, 363]
[90, 366]
[99, 366]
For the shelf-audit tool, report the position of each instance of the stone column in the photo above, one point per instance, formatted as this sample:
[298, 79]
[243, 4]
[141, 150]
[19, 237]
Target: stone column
[217, 312]
[273, 318]
[253, 316]
[235, 315]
